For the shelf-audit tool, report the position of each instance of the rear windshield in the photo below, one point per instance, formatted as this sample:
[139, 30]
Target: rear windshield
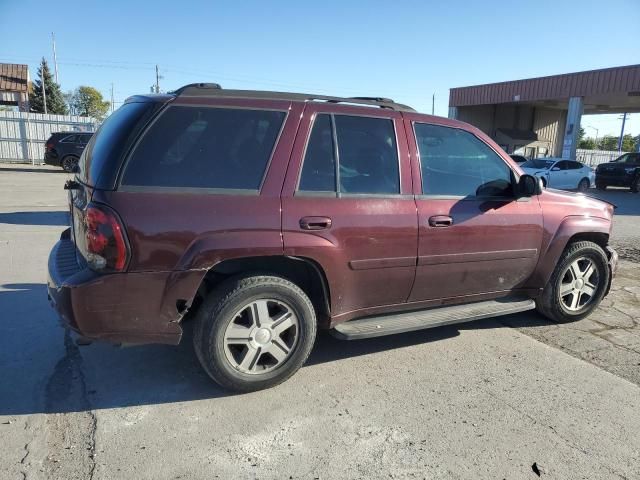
[205, 147]
[100, 162]
[540, 164]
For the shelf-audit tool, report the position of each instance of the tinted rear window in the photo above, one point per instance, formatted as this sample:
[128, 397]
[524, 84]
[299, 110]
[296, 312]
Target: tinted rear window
[205, 147]
[103, 155]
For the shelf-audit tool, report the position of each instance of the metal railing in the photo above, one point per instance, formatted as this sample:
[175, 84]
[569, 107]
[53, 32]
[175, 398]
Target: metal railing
[23, 134]
[596, 157]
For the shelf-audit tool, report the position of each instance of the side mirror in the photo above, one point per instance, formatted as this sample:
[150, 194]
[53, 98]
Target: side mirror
[528, 186]
[555, 169]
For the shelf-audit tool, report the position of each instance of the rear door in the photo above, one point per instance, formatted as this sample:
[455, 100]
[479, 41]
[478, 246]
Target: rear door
[475, 237]
[559, 176]
[348, 205]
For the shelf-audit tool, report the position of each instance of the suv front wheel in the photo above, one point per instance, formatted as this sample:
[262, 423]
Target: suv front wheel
[254, 332]
[577, 284]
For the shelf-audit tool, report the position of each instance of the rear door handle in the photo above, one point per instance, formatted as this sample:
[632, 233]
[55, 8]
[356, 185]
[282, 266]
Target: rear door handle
[315, 223]
[440, 221]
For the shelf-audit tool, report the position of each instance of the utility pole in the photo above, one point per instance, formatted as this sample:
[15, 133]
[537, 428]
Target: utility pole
[624, 119]
[157, 80]
[55, 58]
[433, 104]
[111, 97]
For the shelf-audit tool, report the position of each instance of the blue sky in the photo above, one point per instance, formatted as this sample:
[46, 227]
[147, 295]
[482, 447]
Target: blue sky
[406, 50]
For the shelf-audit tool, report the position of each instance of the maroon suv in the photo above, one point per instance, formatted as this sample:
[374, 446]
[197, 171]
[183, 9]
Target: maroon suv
[267, 215]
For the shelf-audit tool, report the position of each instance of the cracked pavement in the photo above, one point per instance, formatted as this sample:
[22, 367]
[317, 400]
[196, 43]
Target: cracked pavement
[481, 400]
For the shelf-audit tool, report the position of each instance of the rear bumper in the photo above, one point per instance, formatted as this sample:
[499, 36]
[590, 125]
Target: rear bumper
[614, 180]
[122, 307]
[51, 159]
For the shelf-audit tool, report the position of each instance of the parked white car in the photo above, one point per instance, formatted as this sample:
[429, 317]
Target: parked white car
[562, 174]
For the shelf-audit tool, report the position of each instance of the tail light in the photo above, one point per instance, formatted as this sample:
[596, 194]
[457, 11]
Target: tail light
[107, 248]
[49, 146]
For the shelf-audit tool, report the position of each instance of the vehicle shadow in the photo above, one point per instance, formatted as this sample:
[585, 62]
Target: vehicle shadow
[46, 218]
[102, 376]
[34, 170]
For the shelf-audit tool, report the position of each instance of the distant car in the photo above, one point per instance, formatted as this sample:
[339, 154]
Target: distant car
[559, 173]
[63, 149]
[622, 172]
[519, 158]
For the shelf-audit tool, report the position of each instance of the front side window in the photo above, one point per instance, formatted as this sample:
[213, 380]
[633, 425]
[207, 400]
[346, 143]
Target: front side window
[457, 163]
[204, 147]
[367, 156]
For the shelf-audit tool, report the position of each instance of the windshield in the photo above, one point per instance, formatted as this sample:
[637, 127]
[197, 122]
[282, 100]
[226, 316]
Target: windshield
[539, 164]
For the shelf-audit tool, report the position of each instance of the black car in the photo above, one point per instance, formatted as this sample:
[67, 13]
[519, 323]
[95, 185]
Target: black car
[622, 172]
[63, 149]
[518, 158]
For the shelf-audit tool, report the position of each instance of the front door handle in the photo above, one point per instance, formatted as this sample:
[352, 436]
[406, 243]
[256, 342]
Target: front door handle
[315, 223]
[440, 221]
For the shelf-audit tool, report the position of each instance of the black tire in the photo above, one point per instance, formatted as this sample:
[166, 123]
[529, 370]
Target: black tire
[601, 186]
[635, 184]
[583, 185]
[219, 310]
[544, 182]
[69, 163]
[549, 303]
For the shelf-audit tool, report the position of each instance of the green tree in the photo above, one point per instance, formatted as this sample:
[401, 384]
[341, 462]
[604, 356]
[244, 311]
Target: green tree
[588, 143]
[88, 101]
[628, 143]
[608, 142]
[55, 102]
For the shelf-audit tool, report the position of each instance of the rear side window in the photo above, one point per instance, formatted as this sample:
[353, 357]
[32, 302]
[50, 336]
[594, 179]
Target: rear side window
[205, 147]
[319, 169]
[367, 156]
[70, 139]
[102, 157]
[457, 163]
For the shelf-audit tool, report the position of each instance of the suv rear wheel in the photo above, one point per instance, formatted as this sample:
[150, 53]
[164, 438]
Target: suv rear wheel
[577, 284]
[69, 163]
[635, 184]
[254, 332]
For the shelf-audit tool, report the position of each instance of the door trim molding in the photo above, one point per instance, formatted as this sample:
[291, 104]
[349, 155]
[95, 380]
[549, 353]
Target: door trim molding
[477, 256]
[372, 263]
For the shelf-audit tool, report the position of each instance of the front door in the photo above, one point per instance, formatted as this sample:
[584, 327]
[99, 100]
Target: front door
[475, 236]
[349, 205]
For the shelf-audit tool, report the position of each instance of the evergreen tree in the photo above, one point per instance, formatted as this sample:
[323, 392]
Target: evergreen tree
[55, 100]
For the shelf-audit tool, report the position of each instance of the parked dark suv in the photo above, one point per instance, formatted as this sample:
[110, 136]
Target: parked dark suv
[622, 172]
[265, 216]
[63, 149]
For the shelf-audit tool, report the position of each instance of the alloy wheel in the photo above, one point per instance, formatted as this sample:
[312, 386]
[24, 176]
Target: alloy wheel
[579, 284]
[261, 336]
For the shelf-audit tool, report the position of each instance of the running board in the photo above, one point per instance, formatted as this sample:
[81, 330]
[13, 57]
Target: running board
[434, 317]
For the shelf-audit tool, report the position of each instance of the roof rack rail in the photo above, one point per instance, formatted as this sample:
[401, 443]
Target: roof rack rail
[197, 86]
[213, 89]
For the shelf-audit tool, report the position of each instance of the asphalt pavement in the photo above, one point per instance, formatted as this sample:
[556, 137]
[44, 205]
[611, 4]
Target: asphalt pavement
[513, 398]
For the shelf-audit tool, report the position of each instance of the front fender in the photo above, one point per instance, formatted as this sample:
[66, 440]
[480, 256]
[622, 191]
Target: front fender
[569, 227]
